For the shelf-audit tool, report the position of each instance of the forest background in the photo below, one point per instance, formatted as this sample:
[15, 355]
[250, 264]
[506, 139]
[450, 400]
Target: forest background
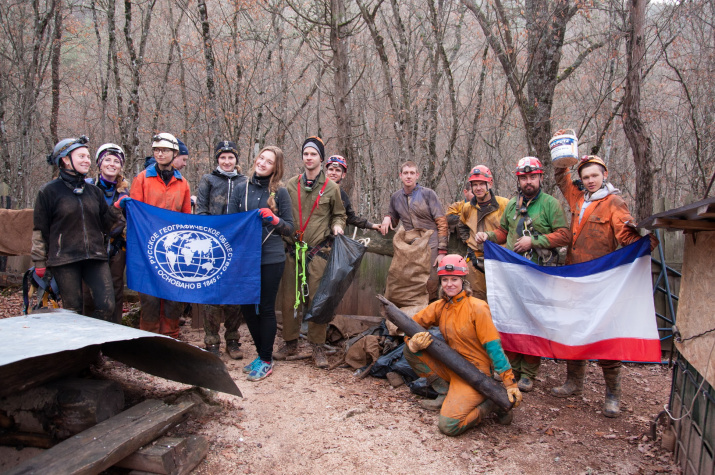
[447, 84]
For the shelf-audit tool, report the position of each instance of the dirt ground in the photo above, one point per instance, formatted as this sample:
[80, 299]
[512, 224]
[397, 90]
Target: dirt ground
[305, 420]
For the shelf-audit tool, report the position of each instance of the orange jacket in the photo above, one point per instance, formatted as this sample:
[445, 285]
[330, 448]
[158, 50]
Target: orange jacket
[603, 226]
[149, 188]
[467, 327]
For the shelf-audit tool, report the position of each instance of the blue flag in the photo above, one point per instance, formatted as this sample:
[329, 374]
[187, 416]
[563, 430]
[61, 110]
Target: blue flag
[191, 258]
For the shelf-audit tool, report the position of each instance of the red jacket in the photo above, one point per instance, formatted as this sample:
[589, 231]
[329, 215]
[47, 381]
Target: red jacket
[603, 226]
[149, 188]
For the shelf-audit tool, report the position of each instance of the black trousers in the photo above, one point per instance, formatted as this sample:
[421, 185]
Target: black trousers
[261, 322]
[97, 276]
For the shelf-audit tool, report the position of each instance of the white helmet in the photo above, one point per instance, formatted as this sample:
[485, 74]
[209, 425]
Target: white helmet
[165, 140]
[109, 149]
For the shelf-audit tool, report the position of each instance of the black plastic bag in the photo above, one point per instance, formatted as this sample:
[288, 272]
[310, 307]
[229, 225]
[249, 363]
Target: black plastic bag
[343, 262]
[422, 388]
[395, 361]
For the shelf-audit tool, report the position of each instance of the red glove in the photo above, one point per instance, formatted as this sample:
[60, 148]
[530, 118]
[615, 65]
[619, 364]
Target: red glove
[269, 217]
[40, 271]
[121, 203]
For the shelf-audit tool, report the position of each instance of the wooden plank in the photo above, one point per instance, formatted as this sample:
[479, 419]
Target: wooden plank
[706, 211]
[108, 442]
[197, 448]
[163, 456]
[365, 318]
[695, 225]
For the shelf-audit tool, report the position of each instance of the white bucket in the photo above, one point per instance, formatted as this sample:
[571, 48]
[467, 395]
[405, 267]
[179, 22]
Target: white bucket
[564, 149]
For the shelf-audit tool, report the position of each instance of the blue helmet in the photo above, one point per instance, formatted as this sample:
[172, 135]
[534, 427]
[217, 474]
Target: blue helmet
[65, 147]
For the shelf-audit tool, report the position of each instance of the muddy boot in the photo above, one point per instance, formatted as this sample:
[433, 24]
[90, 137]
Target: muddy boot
[319, 358]
[612, 404]
[485, 409]
[395, 379]
[213, 349]
[433, 404]
[233, 348]
[289, 348]
[504, 417]
[525, 384]
[575, 373]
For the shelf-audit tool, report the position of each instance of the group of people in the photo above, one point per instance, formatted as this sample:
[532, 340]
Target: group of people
[533, 224]
[79, 229]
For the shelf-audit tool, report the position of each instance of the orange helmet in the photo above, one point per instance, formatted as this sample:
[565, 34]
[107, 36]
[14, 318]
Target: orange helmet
[528, 166]
[481, 173]
[453, 264]
[586, 159]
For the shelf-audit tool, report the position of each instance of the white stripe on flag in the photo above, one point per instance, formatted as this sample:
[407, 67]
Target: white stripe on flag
[598, 310]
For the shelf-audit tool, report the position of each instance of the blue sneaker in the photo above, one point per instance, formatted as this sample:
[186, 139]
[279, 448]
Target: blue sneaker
[262, 370]
[250, 366]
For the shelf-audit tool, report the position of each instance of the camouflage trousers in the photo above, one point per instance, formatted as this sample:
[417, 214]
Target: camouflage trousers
[212, 322]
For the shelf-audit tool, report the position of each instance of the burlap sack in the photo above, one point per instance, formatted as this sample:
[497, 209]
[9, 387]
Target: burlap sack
[410, 268]
[364, 351]
[16, 232]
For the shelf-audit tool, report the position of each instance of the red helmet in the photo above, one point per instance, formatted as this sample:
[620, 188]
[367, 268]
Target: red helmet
[337, 159]
[453, 264]
[481, 173]
[528, 166]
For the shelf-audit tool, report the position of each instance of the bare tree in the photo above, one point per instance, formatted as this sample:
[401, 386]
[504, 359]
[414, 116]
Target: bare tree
[633, 126]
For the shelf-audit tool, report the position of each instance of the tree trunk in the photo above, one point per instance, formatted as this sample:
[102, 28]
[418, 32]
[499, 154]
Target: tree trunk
[212, 112]
[633, 126]
[56, 50]
[341, 79]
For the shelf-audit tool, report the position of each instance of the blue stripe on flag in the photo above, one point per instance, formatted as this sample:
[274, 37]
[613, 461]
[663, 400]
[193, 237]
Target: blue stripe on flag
[625, 255]
[194, 258]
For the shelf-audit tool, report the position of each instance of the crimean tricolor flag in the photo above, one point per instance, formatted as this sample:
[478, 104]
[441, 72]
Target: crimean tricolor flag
[601, 309]
[192, 258]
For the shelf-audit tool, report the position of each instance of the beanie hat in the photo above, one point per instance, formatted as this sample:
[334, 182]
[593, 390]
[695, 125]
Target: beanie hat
[225, 146]
[183, 150]
[316, 143]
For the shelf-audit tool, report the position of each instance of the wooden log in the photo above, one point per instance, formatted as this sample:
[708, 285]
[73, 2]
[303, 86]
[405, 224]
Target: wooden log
[196, 449]
[64, 407]
[453, 360]
[164, 456]
[108, 442]
[84, 403]
[26, 439]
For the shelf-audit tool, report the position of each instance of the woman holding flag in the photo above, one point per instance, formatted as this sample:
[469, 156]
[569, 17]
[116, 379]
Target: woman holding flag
[265, 191]
[600, 223]
[215, 191]
[110, 162]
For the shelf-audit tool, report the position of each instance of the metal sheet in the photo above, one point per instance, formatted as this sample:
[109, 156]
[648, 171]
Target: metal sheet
[39, 347]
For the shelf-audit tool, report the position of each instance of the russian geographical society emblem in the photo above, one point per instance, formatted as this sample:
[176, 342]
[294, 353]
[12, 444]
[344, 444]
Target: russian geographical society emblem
[189, 256]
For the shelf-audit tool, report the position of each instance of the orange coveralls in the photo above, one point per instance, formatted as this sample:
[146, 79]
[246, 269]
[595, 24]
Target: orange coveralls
[149, 188]
[601, 230]
[603, 225]
[467, 327]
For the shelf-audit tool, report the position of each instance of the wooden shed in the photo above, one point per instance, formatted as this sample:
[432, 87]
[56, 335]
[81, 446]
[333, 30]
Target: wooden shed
[692, 398]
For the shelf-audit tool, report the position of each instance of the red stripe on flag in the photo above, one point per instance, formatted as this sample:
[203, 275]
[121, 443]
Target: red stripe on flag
[624, 349]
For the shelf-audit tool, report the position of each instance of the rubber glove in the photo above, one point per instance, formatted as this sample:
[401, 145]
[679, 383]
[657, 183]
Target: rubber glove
[514, 395]
[419, 341]
[268, 216]
[40, 271]
[121, 203]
